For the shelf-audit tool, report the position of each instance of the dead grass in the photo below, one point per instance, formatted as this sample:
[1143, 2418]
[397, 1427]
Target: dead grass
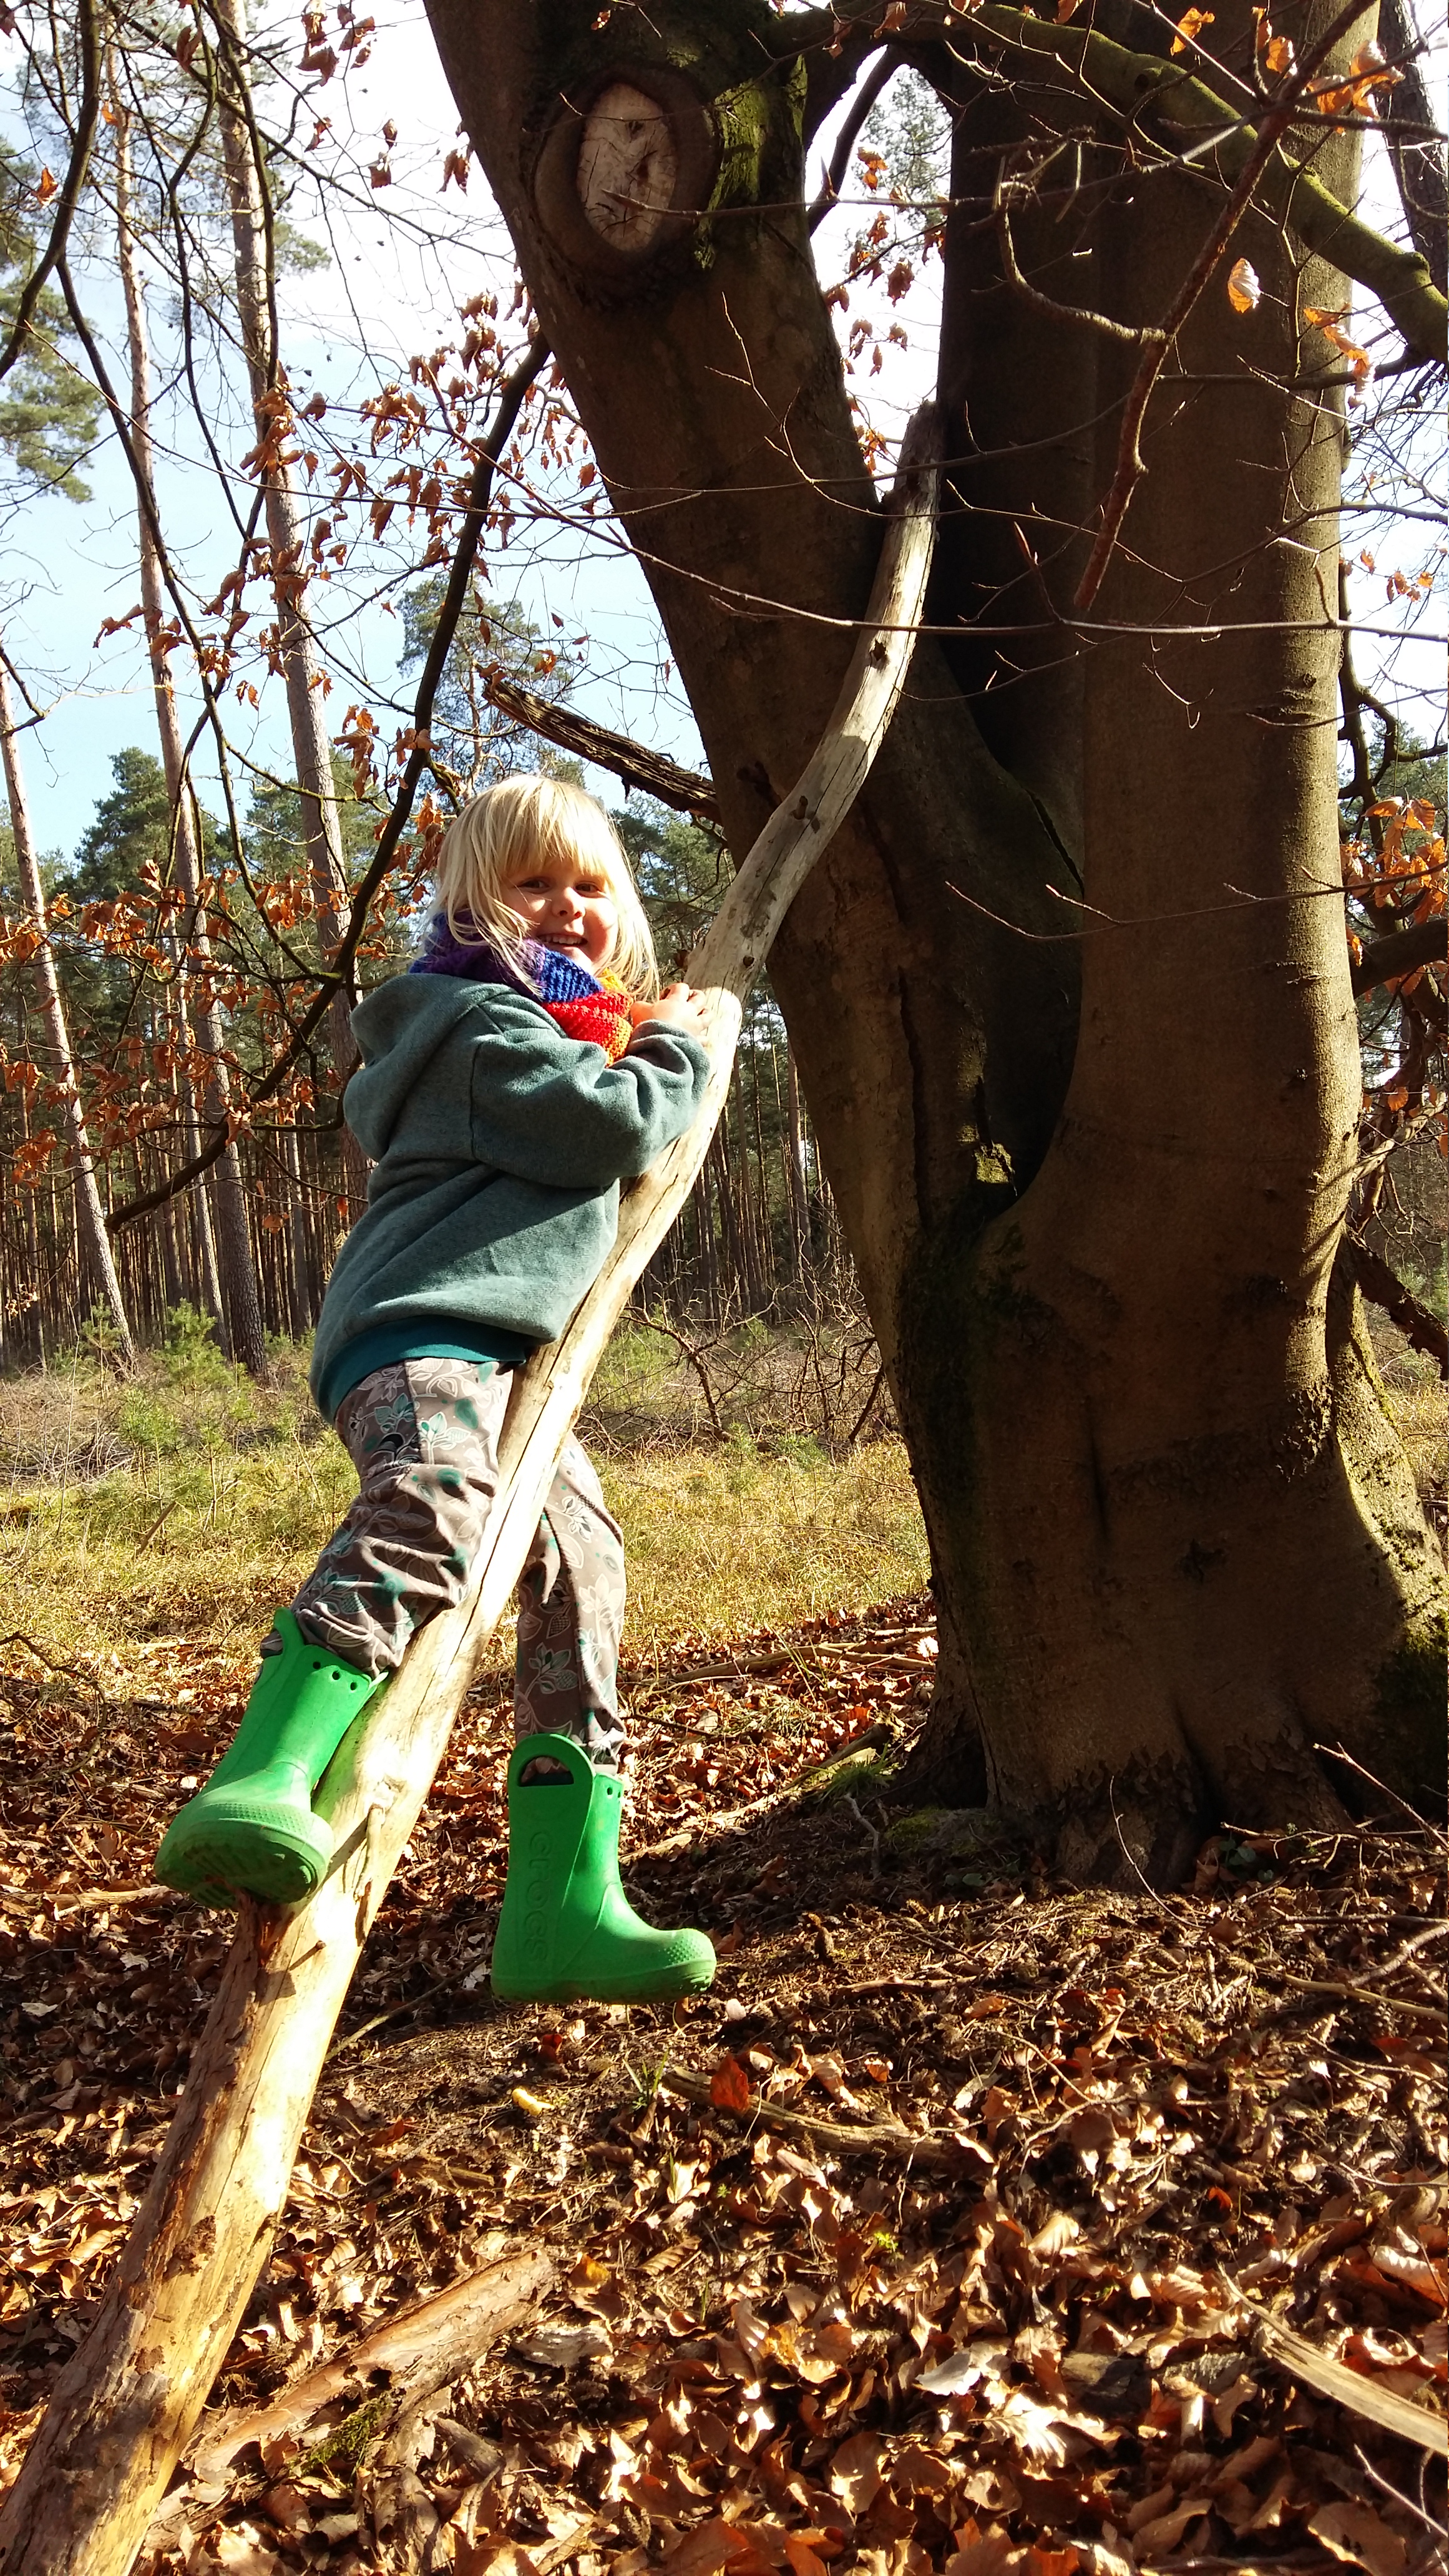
[1418, 1405]
[191, 1503]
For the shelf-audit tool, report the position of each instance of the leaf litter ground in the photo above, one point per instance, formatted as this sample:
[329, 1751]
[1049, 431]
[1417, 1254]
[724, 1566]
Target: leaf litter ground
[938, 2237]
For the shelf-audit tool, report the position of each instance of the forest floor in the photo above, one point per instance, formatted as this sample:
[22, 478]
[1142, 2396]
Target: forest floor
[957, 2229]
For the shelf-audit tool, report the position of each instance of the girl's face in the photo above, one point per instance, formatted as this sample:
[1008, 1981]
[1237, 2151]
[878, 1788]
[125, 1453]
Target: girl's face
[566, 906]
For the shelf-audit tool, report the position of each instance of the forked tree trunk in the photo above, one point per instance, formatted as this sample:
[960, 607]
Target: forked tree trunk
[90, 1215]
[123, 2409]
[1174, 1539]
[1185, 1522]
[239, 1313]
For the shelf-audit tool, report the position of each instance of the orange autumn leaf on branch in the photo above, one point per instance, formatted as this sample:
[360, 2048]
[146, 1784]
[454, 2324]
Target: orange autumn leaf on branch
[1354, 96]
[1244, 290]
[1330, 322]
[1189, 26]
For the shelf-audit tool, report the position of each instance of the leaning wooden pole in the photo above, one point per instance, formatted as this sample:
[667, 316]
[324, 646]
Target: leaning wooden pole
[125, 2406]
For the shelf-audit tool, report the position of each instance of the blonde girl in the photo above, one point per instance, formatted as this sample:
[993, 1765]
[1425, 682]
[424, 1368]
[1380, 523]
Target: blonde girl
[524, 1066]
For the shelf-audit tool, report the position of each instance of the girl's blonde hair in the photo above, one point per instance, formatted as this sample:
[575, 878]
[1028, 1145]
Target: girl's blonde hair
[497, 838]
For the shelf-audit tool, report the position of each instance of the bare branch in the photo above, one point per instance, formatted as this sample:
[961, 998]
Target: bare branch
[1166, 104]
[1418, 163]
[70, 188]
[1130, 465]
[1421, 943]
[474, 521]
[650, 771]
[1383, 1287]
[870, 89]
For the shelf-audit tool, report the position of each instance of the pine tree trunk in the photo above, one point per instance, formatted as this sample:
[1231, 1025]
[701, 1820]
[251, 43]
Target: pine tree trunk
[240, 1316]
[795, 1171]
[286, 537]
[90, 1215]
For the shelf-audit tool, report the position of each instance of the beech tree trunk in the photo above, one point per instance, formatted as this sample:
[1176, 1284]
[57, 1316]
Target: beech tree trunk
[229, 1267]
[1092, 1164]
[90, 1215]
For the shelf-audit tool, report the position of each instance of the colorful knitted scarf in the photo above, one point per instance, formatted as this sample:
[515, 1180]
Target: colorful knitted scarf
[592, 1008]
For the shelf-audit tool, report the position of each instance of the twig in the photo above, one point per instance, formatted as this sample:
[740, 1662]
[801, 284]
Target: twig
[863, 1416]
[499, 429]
[866, 1827]
[696, 1363]
[159, 1522]
[868, 2139]
[70, 187]
[1439, 2529]
[1347, 1994]
[78, 1901]
[17, 1637]
[860, 107]
[394, 2012]
[1130, 464]
[1340, 1754]
[1148, 336]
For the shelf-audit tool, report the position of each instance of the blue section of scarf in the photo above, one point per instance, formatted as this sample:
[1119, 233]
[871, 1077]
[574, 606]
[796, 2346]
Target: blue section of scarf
[544, 974]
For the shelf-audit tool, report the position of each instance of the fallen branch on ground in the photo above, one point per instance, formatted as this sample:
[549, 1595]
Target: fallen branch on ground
[124, 2406]
[1347, 2387]
[380, 2390]
[416, 2353]
[839, 2137]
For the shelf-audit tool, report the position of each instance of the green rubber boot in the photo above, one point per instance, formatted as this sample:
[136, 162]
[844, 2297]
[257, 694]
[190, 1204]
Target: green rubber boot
[252, 1828]
[567, 1933]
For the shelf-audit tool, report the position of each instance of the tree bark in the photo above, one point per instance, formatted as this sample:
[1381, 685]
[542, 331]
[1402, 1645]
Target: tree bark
[1174, 1539]
[123, 2409]
[287, 542]
[238, 1312]
[90, 1215]
[1418, 159]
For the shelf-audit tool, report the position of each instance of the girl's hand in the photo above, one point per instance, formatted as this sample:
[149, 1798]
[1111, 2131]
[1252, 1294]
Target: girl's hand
[679, 1007]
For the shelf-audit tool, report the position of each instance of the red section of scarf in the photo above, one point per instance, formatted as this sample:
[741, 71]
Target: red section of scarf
[597, 1019]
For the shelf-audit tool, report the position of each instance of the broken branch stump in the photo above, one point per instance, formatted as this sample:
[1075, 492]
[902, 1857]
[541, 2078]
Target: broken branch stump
[124, 2407]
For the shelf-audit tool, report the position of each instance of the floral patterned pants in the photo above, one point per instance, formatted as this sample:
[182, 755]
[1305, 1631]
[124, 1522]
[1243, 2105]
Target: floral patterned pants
[423, 1436]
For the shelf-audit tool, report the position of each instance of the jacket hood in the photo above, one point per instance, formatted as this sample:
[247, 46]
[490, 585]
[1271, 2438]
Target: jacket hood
[399, 1029]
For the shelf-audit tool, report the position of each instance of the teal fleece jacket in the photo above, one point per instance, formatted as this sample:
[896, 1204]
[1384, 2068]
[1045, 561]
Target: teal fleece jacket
[499, 1145]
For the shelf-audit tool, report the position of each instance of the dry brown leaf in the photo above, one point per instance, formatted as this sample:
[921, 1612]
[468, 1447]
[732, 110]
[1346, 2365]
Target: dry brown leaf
[1356, 2533]
[984, 2553]
[708, 2548]
[1151, 2539]
[491, 2558]
[855, 2472]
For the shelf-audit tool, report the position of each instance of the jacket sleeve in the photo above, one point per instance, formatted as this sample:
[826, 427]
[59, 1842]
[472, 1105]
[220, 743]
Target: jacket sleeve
[549, 1109]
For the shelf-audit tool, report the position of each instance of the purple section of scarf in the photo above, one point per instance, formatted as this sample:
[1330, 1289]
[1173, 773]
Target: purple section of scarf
[546, 975]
